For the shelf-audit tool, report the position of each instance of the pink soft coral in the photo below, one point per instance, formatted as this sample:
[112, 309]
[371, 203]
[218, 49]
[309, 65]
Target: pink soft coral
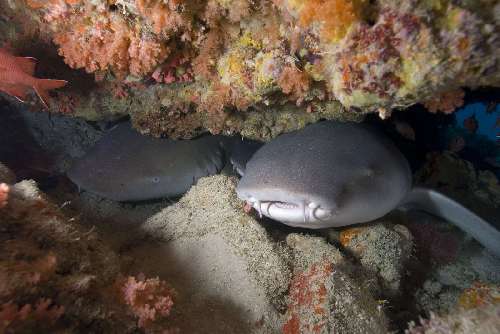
[13, 317]
[175, 70]
[149, 299]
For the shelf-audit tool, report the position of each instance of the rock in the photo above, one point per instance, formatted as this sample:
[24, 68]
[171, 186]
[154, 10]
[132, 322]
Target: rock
[222, 257]
[445, 285]
[483, 320]
[231, 66]
[210, 244]
[383, 250]
[6, 175]
[324, 297]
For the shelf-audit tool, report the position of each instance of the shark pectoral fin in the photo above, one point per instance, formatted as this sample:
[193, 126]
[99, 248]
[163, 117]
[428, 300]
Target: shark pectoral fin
[435, 203]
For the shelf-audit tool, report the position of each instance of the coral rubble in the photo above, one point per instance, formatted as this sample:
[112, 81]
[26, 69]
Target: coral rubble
[218, 65]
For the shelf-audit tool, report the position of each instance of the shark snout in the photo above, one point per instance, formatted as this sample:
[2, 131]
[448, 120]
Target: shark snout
[308, 214]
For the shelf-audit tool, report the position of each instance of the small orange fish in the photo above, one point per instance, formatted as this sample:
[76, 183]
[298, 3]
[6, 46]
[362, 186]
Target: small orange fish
[16, 78]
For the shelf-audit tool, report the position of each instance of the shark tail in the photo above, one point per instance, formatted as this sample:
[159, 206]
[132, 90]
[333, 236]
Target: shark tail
[437, 204]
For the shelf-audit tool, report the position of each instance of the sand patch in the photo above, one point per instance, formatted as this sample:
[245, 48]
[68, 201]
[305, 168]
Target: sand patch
[215, 293]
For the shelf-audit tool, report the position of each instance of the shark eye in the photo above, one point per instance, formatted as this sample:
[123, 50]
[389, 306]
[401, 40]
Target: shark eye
[155, 179]
[313, 205]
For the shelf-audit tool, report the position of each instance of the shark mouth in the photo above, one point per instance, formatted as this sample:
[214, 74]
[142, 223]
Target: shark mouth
[295, 214]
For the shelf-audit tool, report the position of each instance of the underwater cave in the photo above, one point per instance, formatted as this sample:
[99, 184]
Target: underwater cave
[244, 166]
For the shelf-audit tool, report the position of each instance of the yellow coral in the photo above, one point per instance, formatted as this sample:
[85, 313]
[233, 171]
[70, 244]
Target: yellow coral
[479, 294]
[246, 40]
[231, 68]
[267, 66]
[439, 6]
[348, 234]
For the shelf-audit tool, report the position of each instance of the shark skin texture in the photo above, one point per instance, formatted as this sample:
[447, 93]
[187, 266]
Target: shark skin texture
[333, 174]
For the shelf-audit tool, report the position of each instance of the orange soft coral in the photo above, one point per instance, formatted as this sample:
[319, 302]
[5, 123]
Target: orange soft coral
[211, 47]
[55, 9]
[217, 99]
[446, 102]
[99, 43]
[295, 83]
[163, 17]
[336, 16]
[145, 54]
[16, 78]
[478, 295]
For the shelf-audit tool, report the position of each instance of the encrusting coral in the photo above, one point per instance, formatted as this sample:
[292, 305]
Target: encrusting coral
[210, 64]
[323, 295]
